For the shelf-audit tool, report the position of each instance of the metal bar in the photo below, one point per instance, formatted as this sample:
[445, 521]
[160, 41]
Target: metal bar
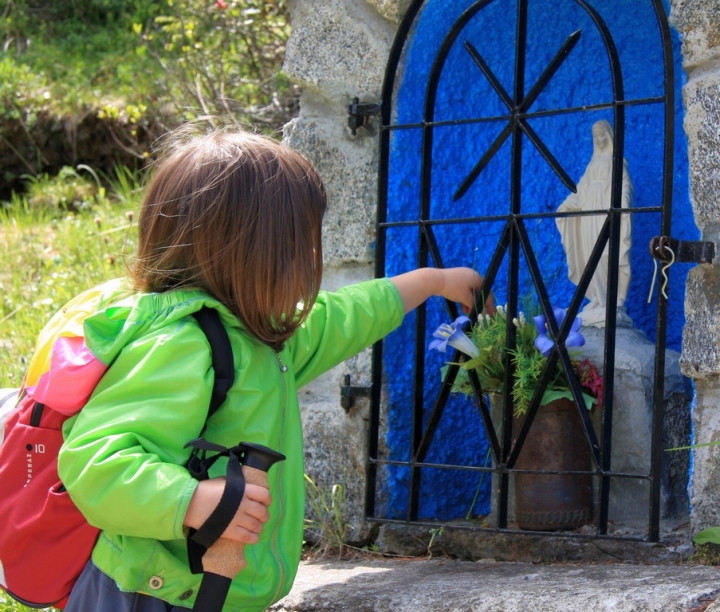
[497, 259]
[514, 261]
[529, 115]
[484, 161]
[436, 413]
[486, 417]
[462, 220]
[472, 468]
[548, 156]
[489, 75]
[384, 154]
[550, 71]
[613, 258]
[661, 323]
[373, 430]
[561, 335]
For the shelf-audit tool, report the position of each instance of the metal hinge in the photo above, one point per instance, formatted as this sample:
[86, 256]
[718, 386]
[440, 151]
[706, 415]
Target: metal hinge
[348, 393]
[359, 114]
[664, 248]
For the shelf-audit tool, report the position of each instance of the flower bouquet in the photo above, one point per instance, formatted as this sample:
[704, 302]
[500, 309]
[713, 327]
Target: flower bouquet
[543, 501]
[485, 347]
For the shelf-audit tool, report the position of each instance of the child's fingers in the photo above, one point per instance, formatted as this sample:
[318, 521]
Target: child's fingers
[248, 522]
[255, 510]
[257, 494]
[240, 534]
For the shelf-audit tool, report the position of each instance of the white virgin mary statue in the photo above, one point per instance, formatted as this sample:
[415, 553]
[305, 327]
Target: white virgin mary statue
[579, 234]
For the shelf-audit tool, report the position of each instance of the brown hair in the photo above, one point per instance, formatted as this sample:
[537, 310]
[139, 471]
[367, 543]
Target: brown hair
[238, 215]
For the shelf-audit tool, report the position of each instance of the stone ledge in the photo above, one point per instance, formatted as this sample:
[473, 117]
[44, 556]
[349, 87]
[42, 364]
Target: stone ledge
[675, 545]
[407, 585]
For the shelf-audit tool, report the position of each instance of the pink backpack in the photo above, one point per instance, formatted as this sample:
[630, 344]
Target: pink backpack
[45, 542]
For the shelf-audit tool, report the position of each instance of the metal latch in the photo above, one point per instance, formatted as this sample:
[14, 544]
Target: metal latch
[348, 393]
[664, 248]
[359, 114]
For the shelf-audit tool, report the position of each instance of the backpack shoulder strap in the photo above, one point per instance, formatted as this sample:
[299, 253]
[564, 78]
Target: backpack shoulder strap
[222, 357]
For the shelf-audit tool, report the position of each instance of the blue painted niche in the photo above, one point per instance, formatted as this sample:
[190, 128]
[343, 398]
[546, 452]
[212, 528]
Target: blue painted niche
[463, 92]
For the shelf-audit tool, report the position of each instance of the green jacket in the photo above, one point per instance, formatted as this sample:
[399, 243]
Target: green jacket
[123, 457]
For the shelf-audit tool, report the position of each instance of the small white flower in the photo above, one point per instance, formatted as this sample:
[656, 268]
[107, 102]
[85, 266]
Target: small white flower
[501, 311]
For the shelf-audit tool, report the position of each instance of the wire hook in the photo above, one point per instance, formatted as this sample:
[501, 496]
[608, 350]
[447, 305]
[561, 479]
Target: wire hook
[671, 260]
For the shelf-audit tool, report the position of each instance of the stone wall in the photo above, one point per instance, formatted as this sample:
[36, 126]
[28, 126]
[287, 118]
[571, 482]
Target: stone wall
[338, 51]
[698, 22]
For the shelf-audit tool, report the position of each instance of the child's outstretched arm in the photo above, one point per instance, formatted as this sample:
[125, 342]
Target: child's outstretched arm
[454, 284]
[249, 520]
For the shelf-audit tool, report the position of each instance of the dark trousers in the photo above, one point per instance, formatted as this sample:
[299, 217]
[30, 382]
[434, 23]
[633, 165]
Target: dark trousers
[97, 592]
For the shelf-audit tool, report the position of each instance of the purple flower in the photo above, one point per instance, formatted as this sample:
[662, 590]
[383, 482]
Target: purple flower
[544, 343]
[452, 334]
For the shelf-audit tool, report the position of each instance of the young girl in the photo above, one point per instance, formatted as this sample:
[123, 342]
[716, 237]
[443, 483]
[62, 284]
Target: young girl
[231, 221]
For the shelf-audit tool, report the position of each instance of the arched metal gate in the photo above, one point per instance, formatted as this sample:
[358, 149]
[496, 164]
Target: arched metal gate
[514, 253]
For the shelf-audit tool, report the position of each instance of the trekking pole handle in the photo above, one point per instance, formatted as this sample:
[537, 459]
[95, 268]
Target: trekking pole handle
[226, 558]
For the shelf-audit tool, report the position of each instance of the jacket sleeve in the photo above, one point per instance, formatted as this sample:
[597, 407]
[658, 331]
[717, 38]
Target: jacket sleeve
[342, 324]
[122, 460]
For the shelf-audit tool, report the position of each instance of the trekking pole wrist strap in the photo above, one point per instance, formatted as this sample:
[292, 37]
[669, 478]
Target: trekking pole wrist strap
[199, 540]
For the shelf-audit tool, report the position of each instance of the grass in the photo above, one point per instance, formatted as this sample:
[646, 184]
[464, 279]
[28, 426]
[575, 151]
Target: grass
[52, 253]
[327, 524]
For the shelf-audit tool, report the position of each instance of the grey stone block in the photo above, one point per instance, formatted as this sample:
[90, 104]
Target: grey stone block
[698, 22]
[701, 347]
[349, 169]
[393, 10]
[705, 483]
[339, 47]
[702, 126]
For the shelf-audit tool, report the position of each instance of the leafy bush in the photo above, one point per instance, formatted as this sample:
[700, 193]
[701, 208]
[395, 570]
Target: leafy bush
[67, 191]
[223, 59]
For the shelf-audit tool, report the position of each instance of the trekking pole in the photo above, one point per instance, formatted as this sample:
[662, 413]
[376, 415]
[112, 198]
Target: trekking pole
[225, 558]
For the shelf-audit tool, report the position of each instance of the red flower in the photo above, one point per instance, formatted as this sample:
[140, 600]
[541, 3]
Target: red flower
[590, 379]
[221, 4]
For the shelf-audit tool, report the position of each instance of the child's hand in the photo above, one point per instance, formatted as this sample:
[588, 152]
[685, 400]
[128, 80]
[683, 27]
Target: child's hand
[461, 285]
[455, 284]
[249, 519]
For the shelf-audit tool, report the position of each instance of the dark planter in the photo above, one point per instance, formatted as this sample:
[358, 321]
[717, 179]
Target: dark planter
[556, 441]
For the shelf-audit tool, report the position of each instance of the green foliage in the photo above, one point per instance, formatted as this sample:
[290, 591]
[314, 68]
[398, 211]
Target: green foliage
[9, 605]
[94, 39]
[51, 255]
[489, 335]
[435, 534]
[328, 524]
[707, 536]
[223, 59]
[707, 549]
[67, 191]
[22, 93]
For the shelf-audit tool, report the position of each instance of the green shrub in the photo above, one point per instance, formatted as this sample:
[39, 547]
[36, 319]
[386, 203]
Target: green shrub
[223, 59]
[67, 191]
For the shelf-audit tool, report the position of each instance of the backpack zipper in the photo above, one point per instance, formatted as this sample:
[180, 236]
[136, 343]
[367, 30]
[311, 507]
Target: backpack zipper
[36, 414]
